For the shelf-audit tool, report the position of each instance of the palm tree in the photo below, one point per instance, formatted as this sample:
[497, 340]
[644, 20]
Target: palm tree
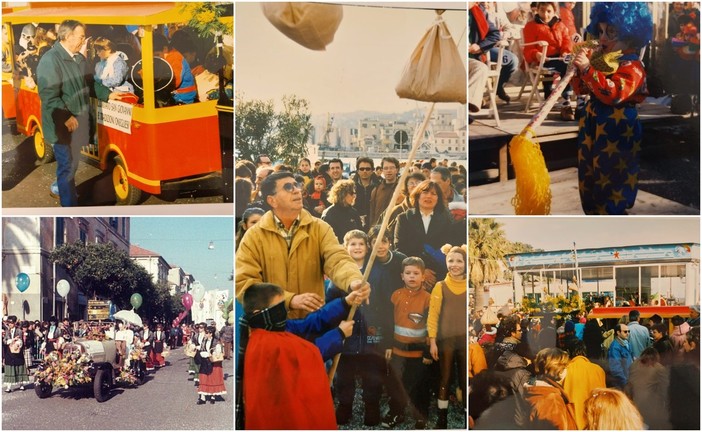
[487, 247]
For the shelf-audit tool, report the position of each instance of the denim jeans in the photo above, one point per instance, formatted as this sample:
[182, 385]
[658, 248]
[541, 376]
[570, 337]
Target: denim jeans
[509, 64]
[67, 158]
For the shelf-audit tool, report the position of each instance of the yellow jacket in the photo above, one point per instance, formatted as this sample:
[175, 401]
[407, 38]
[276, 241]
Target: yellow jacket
[582, 377]
[263, 256]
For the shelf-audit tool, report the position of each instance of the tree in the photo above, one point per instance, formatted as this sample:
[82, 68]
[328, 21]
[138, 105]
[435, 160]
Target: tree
[102, 271]
[255, 121]
[487, 247]
[294, 129]
[282, 136]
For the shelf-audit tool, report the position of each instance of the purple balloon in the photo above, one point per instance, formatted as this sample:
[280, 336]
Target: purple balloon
[187, 301]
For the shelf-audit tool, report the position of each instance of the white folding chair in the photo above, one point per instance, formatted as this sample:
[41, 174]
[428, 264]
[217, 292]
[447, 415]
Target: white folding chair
[493, 78]
[535, 74]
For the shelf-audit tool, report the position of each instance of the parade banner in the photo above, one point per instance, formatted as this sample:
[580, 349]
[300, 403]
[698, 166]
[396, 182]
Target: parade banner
[116, 115]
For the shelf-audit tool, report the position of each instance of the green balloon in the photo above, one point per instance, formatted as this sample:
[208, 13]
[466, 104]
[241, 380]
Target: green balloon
[136, 300]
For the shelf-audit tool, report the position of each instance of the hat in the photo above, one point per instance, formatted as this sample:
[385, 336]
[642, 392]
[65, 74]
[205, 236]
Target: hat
[569, 326]
[695, 308]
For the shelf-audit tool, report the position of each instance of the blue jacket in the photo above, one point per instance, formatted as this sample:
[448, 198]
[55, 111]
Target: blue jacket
[321, 327]
[374, 322]
[620, 359]
[639, 338]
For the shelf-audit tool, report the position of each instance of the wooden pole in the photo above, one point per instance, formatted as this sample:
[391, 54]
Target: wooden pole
[418, 135]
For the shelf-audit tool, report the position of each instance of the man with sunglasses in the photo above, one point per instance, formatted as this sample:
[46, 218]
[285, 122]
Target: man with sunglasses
[365, 181]
[620, 358]
[290, 248]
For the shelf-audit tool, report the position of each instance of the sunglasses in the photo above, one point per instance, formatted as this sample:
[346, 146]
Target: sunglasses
[625, 331]
[290, 187]
[352, 192]
[365, 169]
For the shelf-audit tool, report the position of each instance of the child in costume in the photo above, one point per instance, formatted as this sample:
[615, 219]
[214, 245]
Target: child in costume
[610, 134]
[286, 385]
[447, 327]
[409, 355]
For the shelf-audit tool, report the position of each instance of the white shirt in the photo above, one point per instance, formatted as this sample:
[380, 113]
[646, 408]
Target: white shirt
[426, 219]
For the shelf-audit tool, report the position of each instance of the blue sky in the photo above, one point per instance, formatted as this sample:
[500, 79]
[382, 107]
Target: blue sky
[559, 233]
[183, 241]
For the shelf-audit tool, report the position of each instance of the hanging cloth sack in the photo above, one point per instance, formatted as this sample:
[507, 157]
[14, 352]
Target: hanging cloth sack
[312, 25]
[436, 71]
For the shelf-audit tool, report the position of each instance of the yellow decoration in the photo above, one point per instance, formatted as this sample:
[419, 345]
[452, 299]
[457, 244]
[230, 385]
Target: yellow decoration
[533, 196]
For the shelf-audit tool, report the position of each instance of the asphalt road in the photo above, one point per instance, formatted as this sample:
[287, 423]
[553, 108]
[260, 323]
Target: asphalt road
[25, 182]
[166, 401]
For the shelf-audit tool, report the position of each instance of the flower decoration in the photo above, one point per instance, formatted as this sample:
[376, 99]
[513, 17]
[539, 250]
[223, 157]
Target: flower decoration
[72, 369]
[205, 18]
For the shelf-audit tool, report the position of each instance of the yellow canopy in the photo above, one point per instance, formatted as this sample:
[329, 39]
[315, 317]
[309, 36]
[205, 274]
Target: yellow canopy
[99, 13]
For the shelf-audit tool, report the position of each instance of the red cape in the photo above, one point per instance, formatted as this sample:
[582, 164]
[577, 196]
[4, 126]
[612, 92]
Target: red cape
[285, 384]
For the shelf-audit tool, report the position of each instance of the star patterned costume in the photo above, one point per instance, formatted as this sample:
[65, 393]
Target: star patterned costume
[609, 137]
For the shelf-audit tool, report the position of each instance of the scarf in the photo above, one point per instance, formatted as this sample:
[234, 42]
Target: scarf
[271, 319]
[109, 69]
[480, 21]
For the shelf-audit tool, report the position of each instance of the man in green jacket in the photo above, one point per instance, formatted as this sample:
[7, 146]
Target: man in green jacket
[292, 249]
[65, 86]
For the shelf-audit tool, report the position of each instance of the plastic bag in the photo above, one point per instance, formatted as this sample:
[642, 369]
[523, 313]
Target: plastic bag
[312, 25]
[436, 72]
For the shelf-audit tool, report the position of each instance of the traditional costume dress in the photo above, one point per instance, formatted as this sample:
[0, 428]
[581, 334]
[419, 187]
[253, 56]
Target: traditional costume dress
[15, 368]
[159, 338]
[211, 375]
[147, 341]
[193, 366]
[52, 336]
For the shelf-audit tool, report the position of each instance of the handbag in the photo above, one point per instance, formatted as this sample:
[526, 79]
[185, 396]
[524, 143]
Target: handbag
[217, 357]
[190, 350]
[436, 72]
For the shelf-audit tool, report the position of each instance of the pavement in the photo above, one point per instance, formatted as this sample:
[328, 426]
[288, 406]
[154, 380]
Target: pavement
[166, 401]
[25, 182]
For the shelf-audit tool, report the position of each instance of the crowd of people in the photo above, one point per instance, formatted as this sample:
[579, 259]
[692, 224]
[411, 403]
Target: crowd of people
[27, 343]
[580, 372]
[309, 235]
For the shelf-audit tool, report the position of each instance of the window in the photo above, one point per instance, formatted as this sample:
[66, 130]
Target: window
[83, 235]
[60, 231]
[114, 223]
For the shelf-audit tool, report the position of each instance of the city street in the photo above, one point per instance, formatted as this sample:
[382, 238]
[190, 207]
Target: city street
[167, 400]
[25, 182]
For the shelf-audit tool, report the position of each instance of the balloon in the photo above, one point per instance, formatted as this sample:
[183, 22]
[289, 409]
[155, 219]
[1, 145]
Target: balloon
[231, 320]
[63, 287]
[136, 300]
[22, 282]
[187, 301]
[198, 291]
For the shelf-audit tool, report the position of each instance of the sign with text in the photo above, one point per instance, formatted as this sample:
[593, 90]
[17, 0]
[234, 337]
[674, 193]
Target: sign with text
[116, 115]
[98, 310]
